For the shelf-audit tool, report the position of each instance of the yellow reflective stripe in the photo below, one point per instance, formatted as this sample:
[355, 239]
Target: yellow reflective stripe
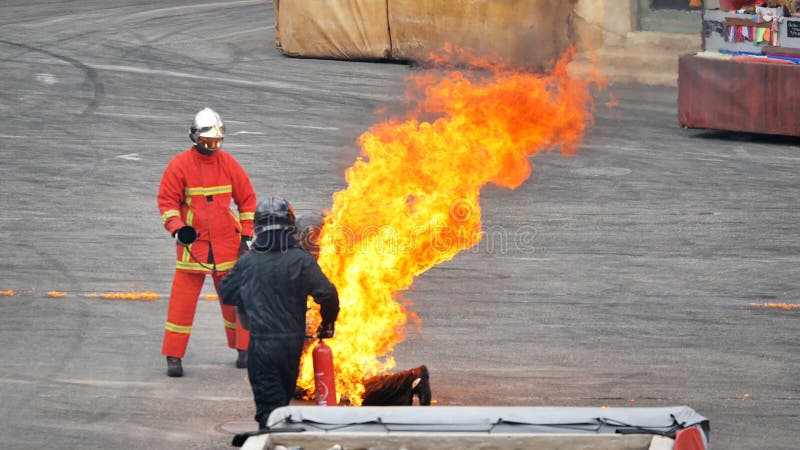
[247, 216]
[231, 325]
[193, 265]
[168, 214]
[185, 256]
[213, 190]
[226, 266]
[219, 190]
[185, 265]
[180, 329]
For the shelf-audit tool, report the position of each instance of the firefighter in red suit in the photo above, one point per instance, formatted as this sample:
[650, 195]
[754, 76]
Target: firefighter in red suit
[195, 203]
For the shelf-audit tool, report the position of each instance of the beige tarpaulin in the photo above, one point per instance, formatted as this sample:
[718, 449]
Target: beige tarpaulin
[342, 29]
[525, 33]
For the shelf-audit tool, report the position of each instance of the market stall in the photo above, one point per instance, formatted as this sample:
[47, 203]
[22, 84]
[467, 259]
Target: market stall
[746, 77]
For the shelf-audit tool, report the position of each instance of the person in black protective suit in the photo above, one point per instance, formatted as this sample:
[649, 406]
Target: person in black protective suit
[269, 285]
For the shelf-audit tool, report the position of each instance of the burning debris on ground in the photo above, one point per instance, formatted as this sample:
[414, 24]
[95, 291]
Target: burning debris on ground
[398, 389]
[392, 389]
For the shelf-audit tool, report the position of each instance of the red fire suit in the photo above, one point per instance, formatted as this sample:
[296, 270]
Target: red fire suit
[197, 190]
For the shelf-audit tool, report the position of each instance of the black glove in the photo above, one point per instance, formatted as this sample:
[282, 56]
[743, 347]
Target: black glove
[325, 331]
[244, 247]
[185, 235]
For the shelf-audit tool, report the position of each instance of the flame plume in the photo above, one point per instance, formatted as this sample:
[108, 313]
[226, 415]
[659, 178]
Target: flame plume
[412, 197]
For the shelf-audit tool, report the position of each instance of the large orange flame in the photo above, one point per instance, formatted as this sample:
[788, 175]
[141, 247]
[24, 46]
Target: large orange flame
[412, 197]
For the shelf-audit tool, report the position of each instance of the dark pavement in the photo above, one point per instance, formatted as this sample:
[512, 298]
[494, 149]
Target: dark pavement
[635, 288]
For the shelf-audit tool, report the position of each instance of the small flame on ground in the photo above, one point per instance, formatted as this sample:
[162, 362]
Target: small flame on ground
[783, 306]
[7, 293]
[130, 296]
[56, 294]
[412, 199]
[211, 297]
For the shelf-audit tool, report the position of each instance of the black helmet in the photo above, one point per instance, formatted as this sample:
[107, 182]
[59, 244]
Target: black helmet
[273, 214]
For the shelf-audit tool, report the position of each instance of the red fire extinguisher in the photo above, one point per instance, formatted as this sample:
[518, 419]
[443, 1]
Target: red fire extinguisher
[324, 377]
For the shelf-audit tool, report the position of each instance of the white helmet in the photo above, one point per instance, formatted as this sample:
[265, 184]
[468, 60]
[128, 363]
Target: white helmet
[207, 130]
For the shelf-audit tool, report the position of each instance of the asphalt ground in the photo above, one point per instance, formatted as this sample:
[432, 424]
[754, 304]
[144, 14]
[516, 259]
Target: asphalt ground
[651, 245]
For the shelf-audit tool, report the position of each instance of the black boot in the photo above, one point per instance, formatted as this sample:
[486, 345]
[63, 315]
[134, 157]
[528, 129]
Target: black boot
[241, 360]
[174, 368]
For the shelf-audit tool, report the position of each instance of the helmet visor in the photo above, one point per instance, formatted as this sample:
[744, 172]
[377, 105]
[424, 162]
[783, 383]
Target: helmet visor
[210, 144]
